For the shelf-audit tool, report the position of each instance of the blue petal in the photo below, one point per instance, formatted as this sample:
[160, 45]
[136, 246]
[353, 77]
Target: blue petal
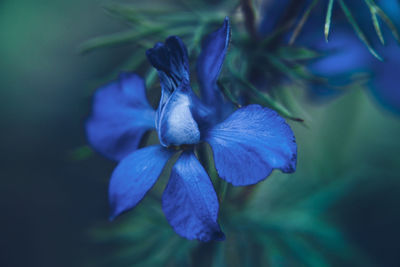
[250, 143]
[134, 176]
[175, 122]
[386, 86]
[342, 57]
[210, 61]
[345, 54]
[171, 61]
[190, 202]
[120, 117]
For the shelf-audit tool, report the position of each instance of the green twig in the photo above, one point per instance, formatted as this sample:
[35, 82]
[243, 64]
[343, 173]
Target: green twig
[302, 21]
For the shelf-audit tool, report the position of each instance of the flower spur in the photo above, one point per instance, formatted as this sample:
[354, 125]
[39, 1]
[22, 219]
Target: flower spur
[247, 145]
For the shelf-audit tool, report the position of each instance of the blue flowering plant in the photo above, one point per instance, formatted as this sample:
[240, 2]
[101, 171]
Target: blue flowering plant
[247, 143]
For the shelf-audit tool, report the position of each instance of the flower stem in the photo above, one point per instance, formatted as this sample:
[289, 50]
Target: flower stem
[223, 190]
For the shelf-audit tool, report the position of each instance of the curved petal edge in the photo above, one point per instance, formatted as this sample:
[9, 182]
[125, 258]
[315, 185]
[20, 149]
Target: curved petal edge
[250, 143]
[135, 176]
[190, 203]
[120, 116]
[211, 58]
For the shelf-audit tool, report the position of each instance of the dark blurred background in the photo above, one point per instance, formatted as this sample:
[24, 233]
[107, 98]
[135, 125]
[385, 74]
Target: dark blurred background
[50, 200]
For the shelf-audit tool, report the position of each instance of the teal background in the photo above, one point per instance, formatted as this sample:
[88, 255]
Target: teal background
[50, 201]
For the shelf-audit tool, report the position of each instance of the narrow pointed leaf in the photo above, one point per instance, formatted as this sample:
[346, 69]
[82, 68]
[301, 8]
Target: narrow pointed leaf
[302, 21]
[388, 22]
[328, 19]
[357, 29]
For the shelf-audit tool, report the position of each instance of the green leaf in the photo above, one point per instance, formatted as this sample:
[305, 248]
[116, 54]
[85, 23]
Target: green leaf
[151, 77]
[80, 153]
[295, 72]
[377, 10]
[227, 93]
[376, 25]
[292, 53]
[114, 39]
[328, 19]
[302, 21]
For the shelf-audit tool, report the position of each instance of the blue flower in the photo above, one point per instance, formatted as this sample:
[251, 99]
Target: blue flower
[247, 145]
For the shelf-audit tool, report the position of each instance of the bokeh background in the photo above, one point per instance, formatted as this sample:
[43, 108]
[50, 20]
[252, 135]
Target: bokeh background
[48, 199]
[51, 199]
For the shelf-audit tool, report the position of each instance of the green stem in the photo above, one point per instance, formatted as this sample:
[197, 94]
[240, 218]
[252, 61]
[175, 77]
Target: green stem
[223, 190]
